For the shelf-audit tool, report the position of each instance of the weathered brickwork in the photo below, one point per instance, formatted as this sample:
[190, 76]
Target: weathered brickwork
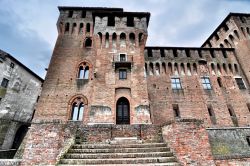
[189, 141]
[103, 83]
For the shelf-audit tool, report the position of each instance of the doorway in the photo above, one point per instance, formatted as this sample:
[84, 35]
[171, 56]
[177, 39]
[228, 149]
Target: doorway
[122, 111]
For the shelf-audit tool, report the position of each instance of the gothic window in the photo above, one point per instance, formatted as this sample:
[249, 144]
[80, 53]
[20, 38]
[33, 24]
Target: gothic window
[132, 38]
[77, 110]
[114, 39]
[206, 83]
[81, 28]
[83, 72]
[176, 83]
[5, 83]
[107, 40]
[122, 74]
[240, 83]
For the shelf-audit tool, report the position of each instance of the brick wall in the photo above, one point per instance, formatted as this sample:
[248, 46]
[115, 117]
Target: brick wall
[189, 141]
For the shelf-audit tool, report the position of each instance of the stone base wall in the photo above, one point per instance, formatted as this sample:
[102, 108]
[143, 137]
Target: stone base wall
[47, 141]
[189, 141]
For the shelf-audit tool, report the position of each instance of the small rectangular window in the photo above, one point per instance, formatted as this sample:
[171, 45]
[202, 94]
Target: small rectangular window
[70, 14]
[187, 53]
[150, 54]
[83, 14]
[206, 83]
[122, 74]
[240, 83]
[122, 57]
[211, 114]
[111, 21]
[232, 115]
[176, 110]
[12, 65]
[5, 83]
[162, 51]
[130, 21]
[176, 83]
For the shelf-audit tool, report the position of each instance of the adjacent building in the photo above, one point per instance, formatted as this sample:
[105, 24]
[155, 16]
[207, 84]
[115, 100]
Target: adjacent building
[19, 92]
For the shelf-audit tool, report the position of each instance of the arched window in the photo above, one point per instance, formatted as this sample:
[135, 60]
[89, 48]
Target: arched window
[236, 68]
[230, 68]
[151, 69]
[88, 27]
[114, 38]
[218, 69]
[194, 68]
[107, 40]
[224, 68]
[100, 38]
[123, 40]
[212, 69]
[77, 109]
[86, 72]
[81, 28]
[170, 68]
[132, 38]
[176, 71]
[146, 69]
[188, 69]
[83, 72]
[231, 38]
[221, 46]
[163, 68]
[74, 28]
[248, 31]
[182, 69]
[236, 34]
[157, 69]
[227, 43]
[88, 42]
[243, 31]
[67, 27]
[140, 37]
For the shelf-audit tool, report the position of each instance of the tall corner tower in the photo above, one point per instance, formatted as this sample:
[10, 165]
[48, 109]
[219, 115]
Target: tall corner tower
[96, 74]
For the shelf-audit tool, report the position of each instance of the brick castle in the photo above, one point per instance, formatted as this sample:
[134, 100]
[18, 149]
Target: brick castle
[104, 84]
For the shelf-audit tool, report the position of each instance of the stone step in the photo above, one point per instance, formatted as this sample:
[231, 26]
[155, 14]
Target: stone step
[117, 155]
[150, 164]
[105, 146]
[119, 160]
[125, 140]
[121, 150]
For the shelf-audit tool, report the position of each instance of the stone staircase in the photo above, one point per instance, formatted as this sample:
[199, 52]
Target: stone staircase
[120, 151]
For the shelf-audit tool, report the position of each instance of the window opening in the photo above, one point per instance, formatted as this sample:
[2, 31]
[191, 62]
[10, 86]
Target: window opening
[130, 21]
[176, 83]
[70, 14]
[176, 110]
[88, 42]
[88, 27]
[12, 65]
[122, 57]
[206, 83]
[111, 21]
[240, 83]
[83, 14]
[219, 82]
[122, 74]
[5, 83]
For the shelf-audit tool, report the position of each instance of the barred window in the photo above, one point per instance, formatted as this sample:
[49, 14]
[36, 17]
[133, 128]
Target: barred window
[176, 83]
[206, 83]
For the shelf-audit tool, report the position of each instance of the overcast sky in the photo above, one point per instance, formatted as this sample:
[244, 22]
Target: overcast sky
[28, 27]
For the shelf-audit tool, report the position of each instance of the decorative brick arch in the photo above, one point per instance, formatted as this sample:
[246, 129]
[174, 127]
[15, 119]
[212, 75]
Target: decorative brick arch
[84, 64]
[77, 99]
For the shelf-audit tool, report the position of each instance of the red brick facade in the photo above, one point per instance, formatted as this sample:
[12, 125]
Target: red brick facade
[100, 59]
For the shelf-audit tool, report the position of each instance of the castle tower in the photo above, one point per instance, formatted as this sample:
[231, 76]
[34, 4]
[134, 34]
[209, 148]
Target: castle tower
[96, 74]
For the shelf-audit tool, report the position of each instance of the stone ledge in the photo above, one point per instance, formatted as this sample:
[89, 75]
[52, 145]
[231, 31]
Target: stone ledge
[228, 128]
[184, 120]
[228, 157]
